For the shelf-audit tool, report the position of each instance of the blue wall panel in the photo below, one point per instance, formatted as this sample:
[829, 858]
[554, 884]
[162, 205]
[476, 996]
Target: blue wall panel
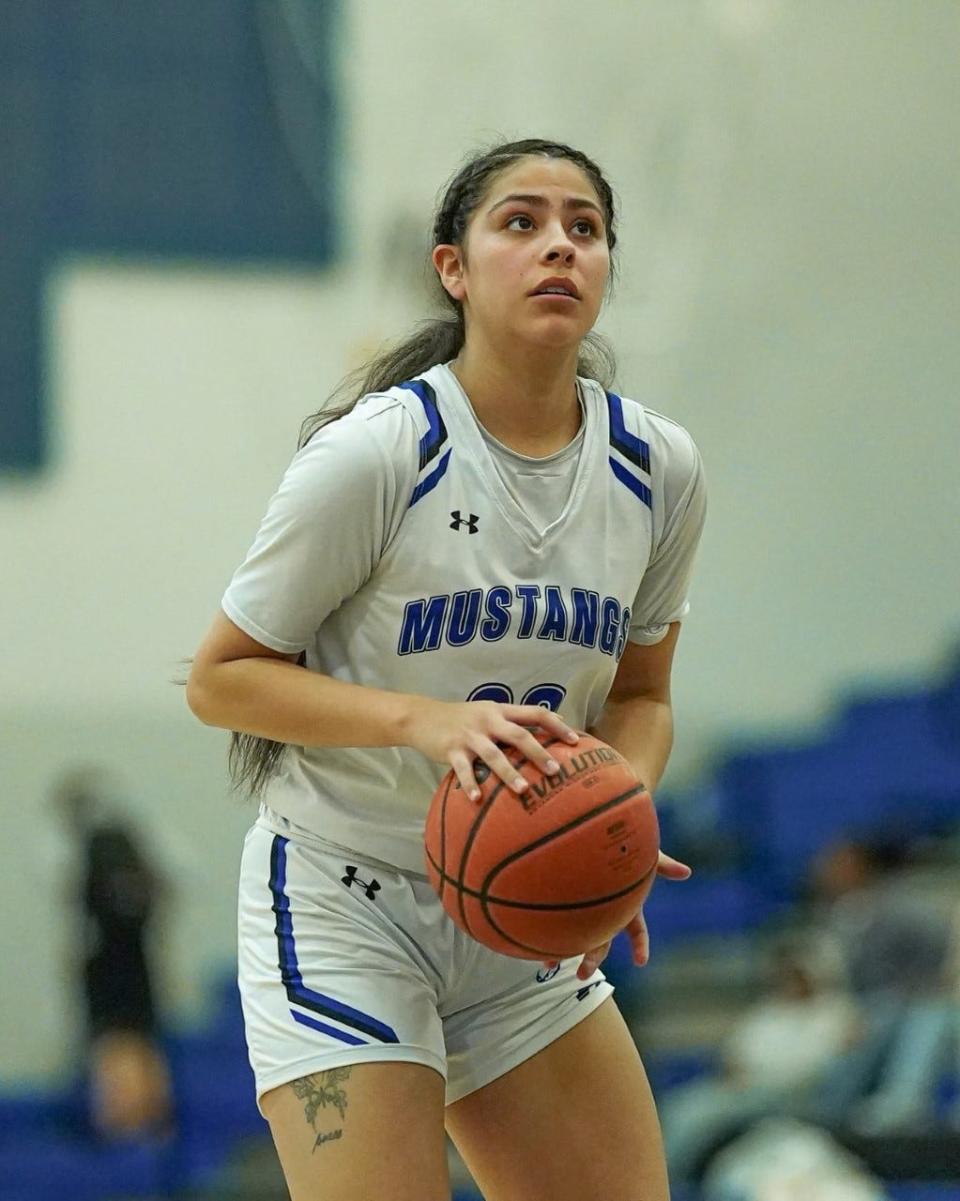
[153, 130]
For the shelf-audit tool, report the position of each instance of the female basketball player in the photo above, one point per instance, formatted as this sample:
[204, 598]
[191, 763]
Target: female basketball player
[482, 541]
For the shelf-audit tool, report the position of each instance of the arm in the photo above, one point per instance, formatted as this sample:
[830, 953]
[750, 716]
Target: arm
[239, 684]
[637, 719]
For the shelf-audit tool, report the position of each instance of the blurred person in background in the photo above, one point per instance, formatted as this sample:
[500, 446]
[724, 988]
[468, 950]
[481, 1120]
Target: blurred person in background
[425, 589]
[896, 945]
[773, 1058]
[118, 893]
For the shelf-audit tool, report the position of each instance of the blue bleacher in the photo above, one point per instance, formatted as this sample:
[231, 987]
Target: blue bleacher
[887, 766]
[44, 1139]
[923, 1190]
[893, 1191]
[39, 1167]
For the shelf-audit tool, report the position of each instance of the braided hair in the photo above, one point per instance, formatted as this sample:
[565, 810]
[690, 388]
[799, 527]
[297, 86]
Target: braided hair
[252, 760]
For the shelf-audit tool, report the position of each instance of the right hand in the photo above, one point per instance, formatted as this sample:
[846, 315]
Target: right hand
[459, 733]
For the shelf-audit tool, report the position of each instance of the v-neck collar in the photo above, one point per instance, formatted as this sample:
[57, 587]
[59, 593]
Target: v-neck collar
[594, 416]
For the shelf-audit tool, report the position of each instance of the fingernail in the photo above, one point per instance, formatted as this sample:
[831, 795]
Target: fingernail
[474, 794]
[553, 766]
[573, 736]
[520, 784]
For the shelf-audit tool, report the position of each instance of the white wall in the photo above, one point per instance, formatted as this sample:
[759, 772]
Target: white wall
[790, 257]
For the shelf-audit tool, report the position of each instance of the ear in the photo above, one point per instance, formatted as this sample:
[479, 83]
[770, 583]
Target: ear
[446, 259]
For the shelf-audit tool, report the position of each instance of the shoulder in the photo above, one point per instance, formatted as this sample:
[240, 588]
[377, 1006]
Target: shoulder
[381, 417]
[670, 442]
[406, 411]
[396, 436]
[383, 429]
[664, 444]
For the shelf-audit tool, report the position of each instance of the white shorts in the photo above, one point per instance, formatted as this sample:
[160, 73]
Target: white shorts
[344, 960]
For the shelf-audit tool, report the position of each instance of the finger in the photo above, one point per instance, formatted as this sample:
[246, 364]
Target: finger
[500, 765]
[530, 748]
[546, 719]
[640, 938]
[673, 869]
[463, 767]
[592, 960]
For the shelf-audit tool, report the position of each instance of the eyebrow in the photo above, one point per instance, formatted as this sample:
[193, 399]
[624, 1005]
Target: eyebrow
[540, 202]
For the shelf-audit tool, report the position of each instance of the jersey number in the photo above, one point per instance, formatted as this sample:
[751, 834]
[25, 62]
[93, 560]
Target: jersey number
[547, 696]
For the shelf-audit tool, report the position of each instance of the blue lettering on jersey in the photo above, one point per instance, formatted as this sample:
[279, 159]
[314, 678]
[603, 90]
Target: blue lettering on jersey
[422, 625]
[555, 620]
[528, 594]
[580, 618]
[586, 616]
[624, 632]
[609, 625]
[497, 621]
[464, 617]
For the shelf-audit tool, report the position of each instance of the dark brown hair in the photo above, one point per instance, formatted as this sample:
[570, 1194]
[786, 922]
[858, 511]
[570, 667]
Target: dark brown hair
[253, 760]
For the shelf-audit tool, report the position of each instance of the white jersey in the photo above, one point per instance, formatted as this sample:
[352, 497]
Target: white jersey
[395, 556]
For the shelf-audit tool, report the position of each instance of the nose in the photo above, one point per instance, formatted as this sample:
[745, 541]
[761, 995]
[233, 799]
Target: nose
[560, 250]
[559, 247]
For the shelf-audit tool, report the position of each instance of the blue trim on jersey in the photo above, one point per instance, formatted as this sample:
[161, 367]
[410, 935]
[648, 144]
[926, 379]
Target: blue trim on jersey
[297, 992]
[637, 487]
[436, 435]
[629, 445]
[304, 1020]
[429, 482]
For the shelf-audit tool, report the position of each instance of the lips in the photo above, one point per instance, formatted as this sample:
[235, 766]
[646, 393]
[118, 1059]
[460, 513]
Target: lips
[557, 282]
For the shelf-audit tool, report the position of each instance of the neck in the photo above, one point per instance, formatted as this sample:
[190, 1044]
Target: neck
[528, 402]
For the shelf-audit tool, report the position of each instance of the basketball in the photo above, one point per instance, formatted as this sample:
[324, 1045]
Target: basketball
[555, 871]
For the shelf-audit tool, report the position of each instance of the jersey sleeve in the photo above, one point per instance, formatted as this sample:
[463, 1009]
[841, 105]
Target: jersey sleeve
[662, 595]
[325, 529]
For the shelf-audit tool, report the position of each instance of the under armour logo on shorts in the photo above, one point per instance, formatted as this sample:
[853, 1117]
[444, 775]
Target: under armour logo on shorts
[371, 889]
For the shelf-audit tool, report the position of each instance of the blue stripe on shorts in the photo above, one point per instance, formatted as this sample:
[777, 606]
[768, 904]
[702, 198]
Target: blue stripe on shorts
[297, 991]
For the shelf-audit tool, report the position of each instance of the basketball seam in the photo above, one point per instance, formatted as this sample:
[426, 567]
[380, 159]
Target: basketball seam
[478, 822]
[571, 825]
[539, 951]
[443, 837]
[560, 905]
[486, 900]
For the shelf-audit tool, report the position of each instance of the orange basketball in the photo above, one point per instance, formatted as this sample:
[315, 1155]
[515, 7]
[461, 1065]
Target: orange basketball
[555, 871]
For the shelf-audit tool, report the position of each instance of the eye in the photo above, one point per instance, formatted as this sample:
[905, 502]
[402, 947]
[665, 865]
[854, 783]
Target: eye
[590, 227]
[520, 217]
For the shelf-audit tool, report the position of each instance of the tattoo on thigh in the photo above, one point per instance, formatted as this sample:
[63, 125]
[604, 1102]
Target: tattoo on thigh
[318, 1091]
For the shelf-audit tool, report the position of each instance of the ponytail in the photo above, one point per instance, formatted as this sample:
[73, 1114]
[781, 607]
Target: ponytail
[433, 342]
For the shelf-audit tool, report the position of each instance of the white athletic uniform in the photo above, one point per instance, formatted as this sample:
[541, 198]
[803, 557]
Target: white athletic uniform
[407, 549]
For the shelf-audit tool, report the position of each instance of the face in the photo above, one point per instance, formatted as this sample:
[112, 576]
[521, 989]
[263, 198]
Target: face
[540, 220]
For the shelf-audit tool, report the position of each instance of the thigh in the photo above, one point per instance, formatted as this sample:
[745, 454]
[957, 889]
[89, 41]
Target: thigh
[576, 1120]
[363, 1132]
[327, 975]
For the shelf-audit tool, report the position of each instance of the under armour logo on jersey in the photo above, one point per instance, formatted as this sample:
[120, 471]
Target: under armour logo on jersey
[458, 521]
[372, 888]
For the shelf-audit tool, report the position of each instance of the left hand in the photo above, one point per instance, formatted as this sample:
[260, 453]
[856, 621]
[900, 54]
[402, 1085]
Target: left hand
[670, 869]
